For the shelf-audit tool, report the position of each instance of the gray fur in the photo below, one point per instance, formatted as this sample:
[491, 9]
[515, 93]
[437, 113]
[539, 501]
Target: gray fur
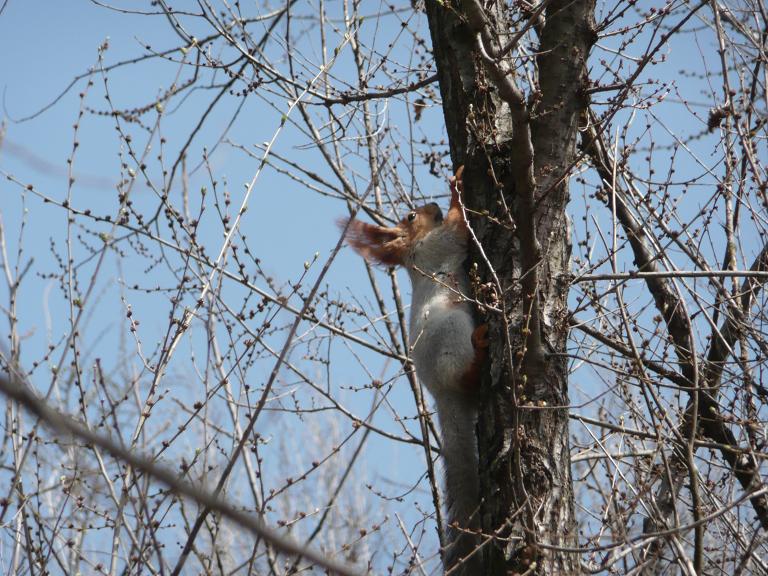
[441, 327]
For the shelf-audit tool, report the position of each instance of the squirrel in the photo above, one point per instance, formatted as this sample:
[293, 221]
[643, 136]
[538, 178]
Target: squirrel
[448, 348]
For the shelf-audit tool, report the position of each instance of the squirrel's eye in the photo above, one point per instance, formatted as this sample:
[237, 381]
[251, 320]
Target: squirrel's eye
[411, 216]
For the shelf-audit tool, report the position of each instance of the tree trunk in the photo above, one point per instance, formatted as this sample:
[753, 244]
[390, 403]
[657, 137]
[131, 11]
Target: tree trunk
[517, 155]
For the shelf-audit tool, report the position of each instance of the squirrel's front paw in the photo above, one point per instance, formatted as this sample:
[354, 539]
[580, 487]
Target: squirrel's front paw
[457, 184]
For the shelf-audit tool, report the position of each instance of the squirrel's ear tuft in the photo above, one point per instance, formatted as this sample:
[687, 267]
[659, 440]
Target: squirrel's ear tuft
[375, 243]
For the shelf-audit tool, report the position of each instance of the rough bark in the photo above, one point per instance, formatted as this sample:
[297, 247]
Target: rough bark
[517, 156]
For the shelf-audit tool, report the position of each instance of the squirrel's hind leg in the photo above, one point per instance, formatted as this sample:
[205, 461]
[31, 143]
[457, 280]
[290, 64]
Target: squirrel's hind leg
[470, 381]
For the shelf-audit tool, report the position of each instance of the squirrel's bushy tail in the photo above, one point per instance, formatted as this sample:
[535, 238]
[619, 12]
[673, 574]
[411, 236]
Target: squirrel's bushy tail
[457, 414]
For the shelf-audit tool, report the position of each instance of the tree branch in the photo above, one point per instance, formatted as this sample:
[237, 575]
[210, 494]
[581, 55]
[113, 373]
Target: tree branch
[16, 388]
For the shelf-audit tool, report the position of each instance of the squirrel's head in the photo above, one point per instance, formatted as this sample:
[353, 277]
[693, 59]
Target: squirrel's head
[390, 245]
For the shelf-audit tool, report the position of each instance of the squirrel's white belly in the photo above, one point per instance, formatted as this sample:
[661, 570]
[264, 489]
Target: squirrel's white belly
[441, 340]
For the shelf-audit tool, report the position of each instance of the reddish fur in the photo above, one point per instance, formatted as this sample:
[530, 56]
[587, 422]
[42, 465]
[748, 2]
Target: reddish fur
[382, 245]
[389, 246]
[455, 216]
[470, 381]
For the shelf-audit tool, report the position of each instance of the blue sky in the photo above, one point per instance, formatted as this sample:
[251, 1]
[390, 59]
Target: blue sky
[47, 43]
[51, 43]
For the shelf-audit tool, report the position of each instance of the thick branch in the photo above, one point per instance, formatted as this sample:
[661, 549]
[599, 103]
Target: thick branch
[667, 302]
[510, 152]
[522, 170]
[724, 338]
